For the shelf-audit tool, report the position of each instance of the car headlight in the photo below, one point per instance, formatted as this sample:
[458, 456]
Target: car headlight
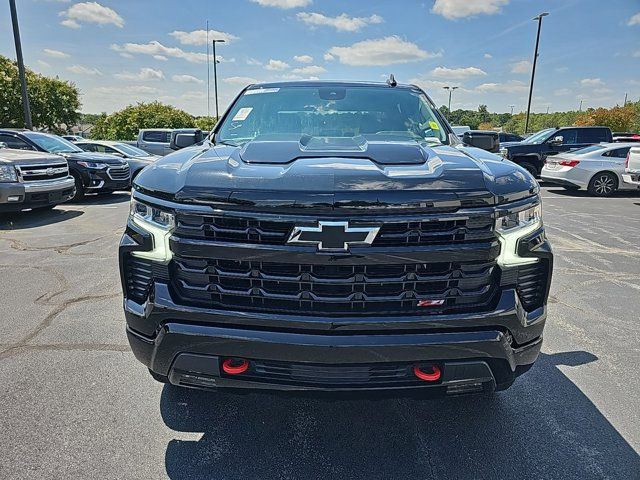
[511, 227]
[159, 223]
[95, 165]
[8, 173]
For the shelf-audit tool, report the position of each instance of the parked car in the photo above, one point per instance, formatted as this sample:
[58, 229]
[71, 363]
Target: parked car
[533, 151]
[460, 129]
[302, 248]
[487, 139]
[73, 138]
[135, 157]
[598, 168]
[92, 172]
[632, 167]
[157, 140]
[509, 137]
[33, 180]
[626, 137]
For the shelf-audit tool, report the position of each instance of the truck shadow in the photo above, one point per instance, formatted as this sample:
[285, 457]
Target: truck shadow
[543, 427]
[35, 218]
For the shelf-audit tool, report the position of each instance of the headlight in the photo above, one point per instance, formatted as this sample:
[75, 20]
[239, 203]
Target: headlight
[511, 227]
[96, 165]
[159, 223]
[8, 173]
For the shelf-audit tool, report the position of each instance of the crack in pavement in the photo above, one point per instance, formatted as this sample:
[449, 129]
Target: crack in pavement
[24, 247]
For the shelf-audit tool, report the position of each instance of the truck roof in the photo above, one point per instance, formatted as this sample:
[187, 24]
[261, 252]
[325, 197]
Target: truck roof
[326, 83]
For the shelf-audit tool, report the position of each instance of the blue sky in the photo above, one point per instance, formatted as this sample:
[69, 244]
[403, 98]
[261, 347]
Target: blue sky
[120, 52]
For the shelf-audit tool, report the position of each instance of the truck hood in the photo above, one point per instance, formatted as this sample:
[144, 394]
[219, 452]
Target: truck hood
[94, 157]
[281, 174]
[27, 157]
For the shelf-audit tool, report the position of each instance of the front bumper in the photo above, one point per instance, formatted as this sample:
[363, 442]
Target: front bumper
[21, 196]
[631, 179]
[96, 180]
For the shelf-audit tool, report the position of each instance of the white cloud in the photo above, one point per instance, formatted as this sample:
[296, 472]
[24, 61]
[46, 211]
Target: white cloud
[199, 37]
[453, 9]
[380, 52]
[55, 53]
[561, 92]
[634, 20]
[591, 82]
[303, 58]
[90, 12]
[186, 79]
[144, 75]
[80, 70]
[284, 4]
[309, 70]
[328, 57]
[254, 62]
[342, 23]
[162, 58]
[130, 90]
[523, 66]
[242, 81]
[44, 64]
[488, 55]
[276, 65]
[512, 86]
[457, 73]
[155, 48]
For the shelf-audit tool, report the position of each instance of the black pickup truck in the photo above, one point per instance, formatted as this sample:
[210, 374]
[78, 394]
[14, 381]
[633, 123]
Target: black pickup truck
[332, 237]
[532, 152]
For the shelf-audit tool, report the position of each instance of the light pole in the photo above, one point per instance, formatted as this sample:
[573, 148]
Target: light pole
[208, 74]
[512, 109]
[533, 69]
[21, 73]
[215, 74]
[450, 89]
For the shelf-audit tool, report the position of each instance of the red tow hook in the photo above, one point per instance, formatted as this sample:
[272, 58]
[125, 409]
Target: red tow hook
[235, 366]
[432, 376]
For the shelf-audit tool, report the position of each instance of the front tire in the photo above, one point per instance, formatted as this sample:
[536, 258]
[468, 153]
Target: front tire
[531, 168]
[603, 184]
[79, 188]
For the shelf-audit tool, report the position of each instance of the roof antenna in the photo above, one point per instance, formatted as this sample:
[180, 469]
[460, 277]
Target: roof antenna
[391, 81]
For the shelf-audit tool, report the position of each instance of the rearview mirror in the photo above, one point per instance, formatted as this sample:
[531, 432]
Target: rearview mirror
[182, 139]
[486, 141]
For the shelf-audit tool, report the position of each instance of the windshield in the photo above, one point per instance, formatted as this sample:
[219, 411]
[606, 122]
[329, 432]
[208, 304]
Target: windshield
[540, 136]
[331, 111]
[51, 143]
[131, 151]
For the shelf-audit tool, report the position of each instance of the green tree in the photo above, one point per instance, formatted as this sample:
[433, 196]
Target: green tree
[618, 119]
[125, 124]
[206, 123]
[54, 103]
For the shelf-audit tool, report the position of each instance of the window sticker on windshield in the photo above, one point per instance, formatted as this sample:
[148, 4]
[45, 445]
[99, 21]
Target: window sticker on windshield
[242, 114]
[261, 90]
[433, 125]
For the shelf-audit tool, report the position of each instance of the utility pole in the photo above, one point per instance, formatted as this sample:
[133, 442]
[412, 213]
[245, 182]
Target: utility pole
[23, 78]
[533, 69]
[547, 109]
[208, 74]
[580, 109]
[512, 109]
[450, 89]
[215, 74]
[625, 100]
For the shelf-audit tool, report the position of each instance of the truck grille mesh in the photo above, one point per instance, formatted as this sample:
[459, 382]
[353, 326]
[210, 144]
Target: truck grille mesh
[334, 289]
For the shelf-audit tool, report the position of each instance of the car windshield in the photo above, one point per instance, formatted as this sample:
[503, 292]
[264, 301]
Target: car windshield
[51, 143]
[589, 149]
[131, 150]
[540, 136]
[331, 111]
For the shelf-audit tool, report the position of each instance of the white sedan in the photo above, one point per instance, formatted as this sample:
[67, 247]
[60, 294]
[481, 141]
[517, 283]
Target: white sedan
[598, 168]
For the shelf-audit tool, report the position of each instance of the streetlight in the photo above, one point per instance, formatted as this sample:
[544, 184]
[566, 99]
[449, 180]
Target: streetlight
[533, 70]
[450, 89]
[512, 109]
[23, 78]
[215, 74]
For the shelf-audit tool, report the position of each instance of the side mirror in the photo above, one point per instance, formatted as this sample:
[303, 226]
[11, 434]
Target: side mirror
[559, 140]
[485, 141]
[182, 139]
[3, 145]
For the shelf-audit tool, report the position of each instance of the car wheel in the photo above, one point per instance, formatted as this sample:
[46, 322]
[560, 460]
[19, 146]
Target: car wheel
[159, 378]
[79, 188]
[531, 168]
[571, 188]
[603, 184]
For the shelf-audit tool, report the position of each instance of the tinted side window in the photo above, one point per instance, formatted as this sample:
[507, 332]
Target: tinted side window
[154, 136]
[14, 142]
[592, 135]
[569, 136]
[88, 147]
[620, 152]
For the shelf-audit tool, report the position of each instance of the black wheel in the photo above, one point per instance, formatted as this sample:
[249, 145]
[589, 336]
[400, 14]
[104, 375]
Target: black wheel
[159, 378]
[603, 184]
[531, 168]
[571, 188]
[79, 195]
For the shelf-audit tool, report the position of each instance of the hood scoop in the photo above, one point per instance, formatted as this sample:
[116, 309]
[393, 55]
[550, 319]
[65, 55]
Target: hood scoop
[384, 151]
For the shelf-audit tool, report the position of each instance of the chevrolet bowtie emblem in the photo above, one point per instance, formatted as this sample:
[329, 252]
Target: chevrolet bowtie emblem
[333, 236]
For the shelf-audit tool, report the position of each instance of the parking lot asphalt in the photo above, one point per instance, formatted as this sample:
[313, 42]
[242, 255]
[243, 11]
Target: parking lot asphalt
[74, 403]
